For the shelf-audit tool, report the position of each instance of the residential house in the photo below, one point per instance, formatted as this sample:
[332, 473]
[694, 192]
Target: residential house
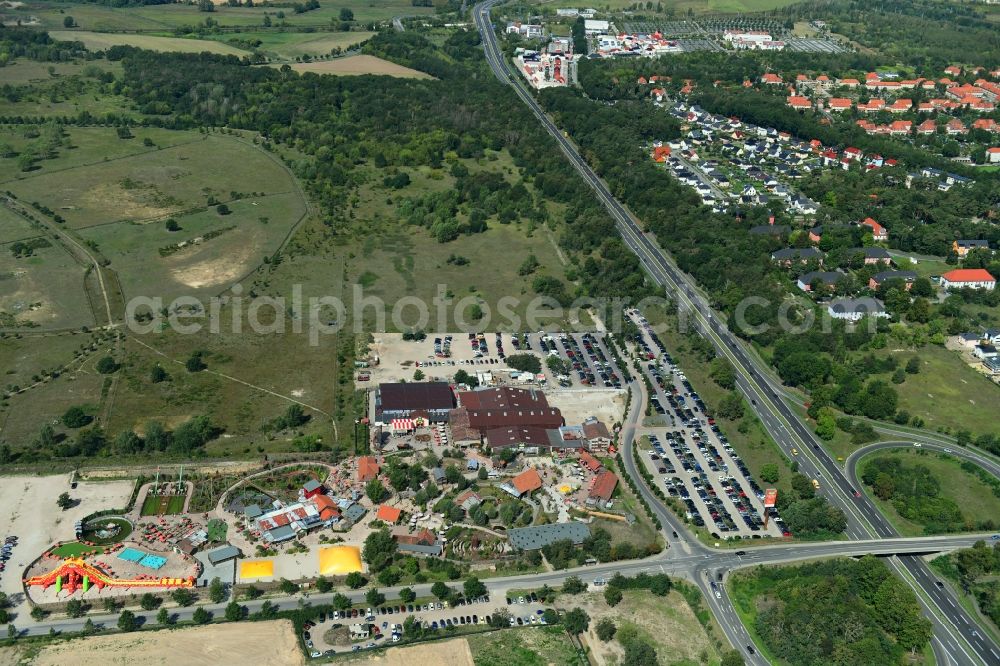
[872, 255]
[604, 487]
[799, 103]
[771, 79]
[854, 309]
[524, 483]
[955, 126]
[984, 351]
[468, 500]
[907, 277]
[927, 127]
[596, 432]
[790, 255]
[962, 247]
[388, 514]
[879, 233]
[993, 154]
[829, 279]
[839, 104]
[367, 469]
[422, 542]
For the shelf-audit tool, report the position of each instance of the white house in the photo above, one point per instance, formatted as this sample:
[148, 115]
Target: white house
[968, 278]
[853, 309]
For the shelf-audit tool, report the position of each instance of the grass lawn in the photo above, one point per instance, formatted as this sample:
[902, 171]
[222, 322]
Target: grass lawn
[14, 227]
[537, 646]
[73, 549]
[102, 41]
[167, 505]
[974, 497]
[947, 394]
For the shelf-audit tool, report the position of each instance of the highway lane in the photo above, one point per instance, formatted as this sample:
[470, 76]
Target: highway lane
[784, 425]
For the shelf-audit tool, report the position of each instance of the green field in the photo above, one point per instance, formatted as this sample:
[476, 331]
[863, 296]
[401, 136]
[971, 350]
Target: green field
[200, 268]
[100, 18]
[86, 146]
[524, 647]
[44, 290]
[289, 45]
[974, 498]
[13, 228]
[155, 184]
[166, 505]
[99, 41]
[947, 393]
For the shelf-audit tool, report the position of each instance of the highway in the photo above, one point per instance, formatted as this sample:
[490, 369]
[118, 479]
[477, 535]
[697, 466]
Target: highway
[957, 638]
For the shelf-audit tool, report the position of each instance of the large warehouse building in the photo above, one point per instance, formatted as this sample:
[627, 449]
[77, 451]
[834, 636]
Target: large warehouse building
[430, 400]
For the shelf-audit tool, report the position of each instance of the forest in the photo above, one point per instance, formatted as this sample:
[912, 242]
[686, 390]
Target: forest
[839, 611]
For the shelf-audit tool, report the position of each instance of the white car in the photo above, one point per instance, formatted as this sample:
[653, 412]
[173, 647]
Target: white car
[917, 444]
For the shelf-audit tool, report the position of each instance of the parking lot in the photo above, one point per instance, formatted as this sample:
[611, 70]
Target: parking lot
[386, 622]
[587, 359]
[691, 459]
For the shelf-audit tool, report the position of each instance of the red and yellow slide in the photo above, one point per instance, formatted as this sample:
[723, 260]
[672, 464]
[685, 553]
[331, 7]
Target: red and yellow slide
[74, 573]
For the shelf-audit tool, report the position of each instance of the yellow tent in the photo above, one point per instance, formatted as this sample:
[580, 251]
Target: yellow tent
[339, 560]
[564, 489]
[250, 569]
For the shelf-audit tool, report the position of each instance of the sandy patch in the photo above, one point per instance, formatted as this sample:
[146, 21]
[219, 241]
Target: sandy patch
[271, 643]
[216, 271]
[357, 65]
[454, 652]
[28, 510]
[577, 404]
[126, 204]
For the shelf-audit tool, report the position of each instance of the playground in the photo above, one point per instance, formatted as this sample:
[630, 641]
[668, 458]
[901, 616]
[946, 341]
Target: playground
[115, 570]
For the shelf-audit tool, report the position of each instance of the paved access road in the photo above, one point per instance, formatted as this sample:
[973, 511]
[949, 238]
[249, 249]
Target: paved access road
[957, 639]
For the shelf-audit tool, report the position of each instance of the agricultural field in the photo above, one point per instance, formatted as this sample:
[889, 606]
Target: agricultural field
[973, 497]
[118, 194]
[358, 65]
[290, 45]
[100, 41]
[84, 146]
